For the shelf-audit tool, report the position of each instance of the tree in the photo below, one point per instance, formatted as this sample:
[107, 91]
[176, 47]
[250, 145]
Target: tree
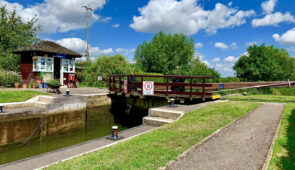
[165, 53]
[103, 66]
[265, 63]
[199, 68]
[14, 33]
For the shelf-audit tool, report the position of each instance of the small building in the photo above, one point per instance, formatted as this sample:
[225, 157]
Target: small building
[49, 60]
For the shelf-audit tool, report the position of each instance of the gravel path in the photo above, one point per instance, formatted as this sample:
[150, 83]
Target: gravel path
[242, 145]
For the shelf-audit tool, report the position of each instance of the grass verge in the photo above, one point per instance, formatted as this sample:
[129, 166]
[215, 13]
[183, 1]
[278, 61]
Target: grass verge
[8, 96]
[154, 149]
[284, 148]
[262, 98]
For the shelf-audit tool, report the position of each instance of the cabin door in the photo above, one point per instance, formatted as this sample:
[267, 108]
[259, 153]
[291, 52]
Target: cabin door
[56, 68]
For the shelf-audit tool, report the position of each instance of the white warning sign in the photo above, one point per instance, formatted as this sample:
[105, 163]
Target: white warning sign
[148, 88]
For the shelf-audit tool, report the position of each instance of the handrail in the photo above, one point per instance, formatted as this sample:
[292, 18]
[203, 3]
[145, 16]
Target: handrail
[170, 88]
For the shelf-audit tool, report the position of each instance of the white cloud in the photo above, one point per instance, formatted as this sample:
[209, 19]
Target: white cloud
[198, 45]
[126, 52]
[116, 25]
[79, 45]
[231, 59]
[186, 16]
[251, 43]
[56, 15]
[270, 18]
[273, 19]
[215, 60]
[221, 45]
[286, 38]
[234, 45]
[268, 6]
[106, 19]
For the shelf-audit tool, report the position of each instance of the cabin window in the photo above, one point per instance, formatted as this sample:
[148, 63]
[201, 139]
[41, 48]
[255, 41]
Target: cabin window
[43, 64]
[69, 65]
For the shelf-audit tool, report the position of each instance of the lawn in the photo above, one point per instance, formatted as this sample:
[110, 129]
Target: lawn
[8, 96]
[154, 149]
[262, 98]
[284, 149]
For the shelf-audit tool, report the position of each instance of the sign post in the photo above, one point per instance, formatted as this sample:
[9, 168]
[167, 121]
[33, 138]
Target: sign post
[148, 88]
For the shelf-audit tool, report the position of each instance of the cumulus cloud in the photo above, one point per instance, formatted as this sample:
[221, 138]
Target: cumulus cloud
[273, 19]
[251, 43]
[106, 19]
[270, 18]
[79, 45]
[126, 52]
[224, 46]
[116, 25]
[221, 45]
[215, 60]
[234, 45]
[56, 15]
[286, 38]
[268, 6]
[198, 45]
[231, 59]
[187, 16]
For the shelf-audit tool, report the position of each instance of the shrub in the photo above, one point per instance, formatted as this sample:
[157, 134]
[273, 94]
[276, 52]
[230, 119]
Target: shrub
[54, 83]
[8, 78]
[33, 83]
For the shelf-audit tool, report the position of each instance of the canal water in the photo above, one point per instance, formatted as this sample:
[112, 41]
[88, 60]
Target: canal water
[98, 124]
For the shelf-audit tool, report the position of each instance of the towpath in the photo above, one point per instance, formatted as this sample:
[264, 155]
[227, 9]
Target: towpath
[242, 145]
[72, 151]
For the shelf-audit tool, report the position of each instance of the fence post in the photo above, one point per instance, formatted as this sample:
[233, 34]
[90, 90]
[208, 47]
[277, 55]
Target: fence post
[141, 85]
[128, 85]
[120, 84]
[110, 83]
[191, 87]
[203, 95]
[167, 85]
[114, 86]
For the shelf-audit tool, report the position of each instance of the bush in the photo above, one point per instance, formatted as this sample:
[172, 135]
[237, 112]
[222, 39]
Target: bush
[54, 83]
[8, 78]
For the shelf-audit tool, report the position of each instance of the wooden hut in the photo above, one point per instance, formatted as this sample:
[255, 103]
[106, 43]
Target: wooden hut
[49, 60]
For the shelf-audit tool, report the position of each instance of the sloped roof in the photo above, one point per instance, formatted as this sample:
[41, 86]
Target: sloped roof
[47, 47]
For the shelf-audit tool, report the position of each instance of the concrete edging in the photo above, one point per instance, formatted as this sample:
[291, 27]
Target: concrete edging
[183, 155]
[270, 151]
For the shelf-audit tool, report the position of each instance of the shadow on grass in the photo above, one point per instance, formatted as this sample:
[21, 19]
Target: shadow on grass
[288, 161]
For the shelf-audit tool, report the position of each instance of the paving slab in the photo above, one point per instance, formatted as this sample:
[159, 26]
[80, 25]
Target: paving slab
[69, 152]
[242, 145]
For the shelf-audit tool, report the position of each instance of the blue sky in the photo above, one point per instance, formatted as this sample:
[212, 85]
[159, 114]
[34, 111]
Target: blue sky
[222, 30]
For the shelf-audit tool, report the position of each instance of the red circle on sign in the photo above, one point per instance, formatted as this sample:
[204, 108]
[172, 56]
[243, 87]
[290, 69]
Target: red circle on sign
[148, 83]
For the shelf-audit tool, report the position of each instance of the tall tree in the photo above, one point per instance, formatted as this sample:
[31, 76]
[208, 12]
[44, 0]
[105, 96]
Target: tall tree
[265, 63]
[165, 53]
[14, 33]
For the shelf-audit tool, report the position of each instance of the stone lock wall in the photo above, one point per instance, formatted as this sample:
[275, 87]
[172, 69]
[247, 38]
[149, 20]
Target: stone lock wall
[64, 114]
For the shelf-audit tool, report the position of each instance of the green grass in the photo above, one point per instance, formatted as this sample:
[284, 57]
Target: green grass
[284, 149]
[262, 98]
[8, 96]
[154, 149]
[281, 91]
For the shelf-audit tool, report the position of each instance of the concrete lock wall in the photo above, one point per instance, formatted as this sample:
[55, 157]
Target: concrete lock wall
[65, 114]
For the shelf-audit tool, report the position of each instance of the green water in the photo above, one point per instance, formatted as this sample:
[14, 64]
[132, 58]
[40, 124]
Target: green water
[99, 123]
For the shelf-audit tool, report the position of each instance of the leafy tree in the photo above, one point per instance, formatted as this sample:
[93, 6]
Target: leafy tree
[199, 68]
[265, 63]
[14, 33]
[165, 53]
[103, 66]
